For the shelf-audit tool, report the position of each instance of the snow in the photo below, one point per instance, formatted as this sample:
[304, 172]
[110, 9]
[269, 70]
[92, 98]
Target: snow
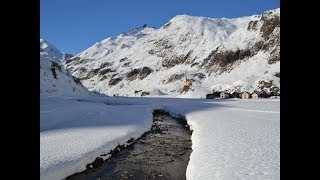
[232, 139]
[63, 83]
[247, 74]
[49, 51]
[74, 133]
[181, 35]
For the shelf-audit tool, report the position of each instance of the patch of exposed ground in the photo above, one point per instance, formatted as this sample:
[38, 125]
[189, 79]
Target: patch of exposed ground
[161, 153]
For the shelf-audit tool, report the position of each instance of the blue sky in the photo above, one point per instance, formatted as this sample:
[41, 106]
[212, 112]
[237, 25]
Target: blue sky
[74, 25]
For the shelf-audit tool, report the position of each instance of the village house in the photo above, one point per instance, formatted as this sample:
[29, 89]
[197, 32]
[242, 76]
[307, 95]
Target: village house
[216, 93]
[259, 94]
[274, 95]
[235, 95]
[255, 95]
[224, 95]
[210, 96]
[245, 95]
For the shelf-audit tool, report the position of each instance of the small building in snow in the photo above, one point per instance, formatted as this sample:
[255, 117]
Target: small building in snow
[216, 93]
[259, 94]
[210, 96]
[235, 95]
[224, 95]
[255, 95]
[275, 96]
[245, 95]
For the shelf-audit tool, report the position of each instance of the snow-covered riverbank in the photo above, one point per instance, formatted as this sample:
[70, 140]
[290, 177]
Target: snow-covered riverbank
[237, 139]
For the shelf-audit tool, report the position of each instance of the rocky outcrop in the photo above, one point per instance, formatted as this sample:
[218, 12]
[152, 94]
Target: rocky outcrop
[175, 77]
[270, 22]
[115, 81]
[145, 93]
[132, 75]
[105, 71]
[169, 62]
[144, 72]
[221, 61]
[252, 26]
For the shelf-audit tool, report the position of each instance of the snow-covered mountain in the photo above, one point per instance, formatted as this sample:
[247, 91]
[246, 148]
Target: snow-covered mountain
[51, 52]
[213, 53]
[55, 80]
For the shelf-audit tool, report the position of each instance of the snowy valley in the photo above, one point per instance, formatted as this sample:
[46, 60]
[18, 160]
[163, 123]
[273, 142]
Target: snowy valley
[80, 119]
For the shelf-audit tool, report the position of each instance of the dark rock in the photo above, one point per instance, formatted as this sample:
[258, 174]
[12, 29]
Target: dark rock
[252, 26]
[72, 59]
[54, 74]
[166, 25]
[82, 70]
[132, 75]
[90, 74]
[115, 81]
[145, 93]
[175, 77]
[145, 71]
[126, 64]
[105, 71]
[113, 75]
[264, 84]
[151, 51]
[175, 60]
[277, 74]
[103, 65]
[55, 65]
[185, 89]
[199, 75]
[270, 22]
[97, 162]
[274, 58]
[121, 147]
[210, 96]
[123, 59]
[130, 140]
[113, 152]
[103, 78]
[194, 64]
[124, 46]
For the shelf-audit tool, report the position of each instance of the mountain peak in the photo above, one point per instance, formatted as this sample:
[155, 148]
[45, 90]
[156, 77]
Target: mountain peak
[133, 31]
[49, 51]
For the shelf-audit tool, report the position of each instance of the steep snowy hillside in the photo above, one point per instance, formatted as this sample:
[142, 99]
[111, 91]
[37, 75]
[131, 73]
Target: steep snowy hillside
[222, 54]
[54, 79]
[51, 52]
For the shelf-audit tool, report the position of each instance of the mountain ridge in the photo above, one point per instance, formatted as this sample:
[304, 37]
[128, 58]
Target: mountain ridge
[216, 53]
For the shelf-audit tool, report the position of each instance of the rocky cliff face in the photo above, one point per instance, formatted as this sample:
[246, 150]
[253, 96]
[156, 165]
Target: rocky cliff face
[219, 54]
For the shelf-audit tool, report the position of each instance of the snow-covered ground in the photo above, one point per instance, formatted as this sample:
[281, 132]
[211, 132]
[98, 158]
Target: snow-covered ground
[232, 139]
[74, 133]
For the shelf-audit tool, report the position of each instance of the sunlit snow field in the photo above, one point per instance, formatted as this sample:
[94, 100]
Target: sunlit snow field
[232, 139]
